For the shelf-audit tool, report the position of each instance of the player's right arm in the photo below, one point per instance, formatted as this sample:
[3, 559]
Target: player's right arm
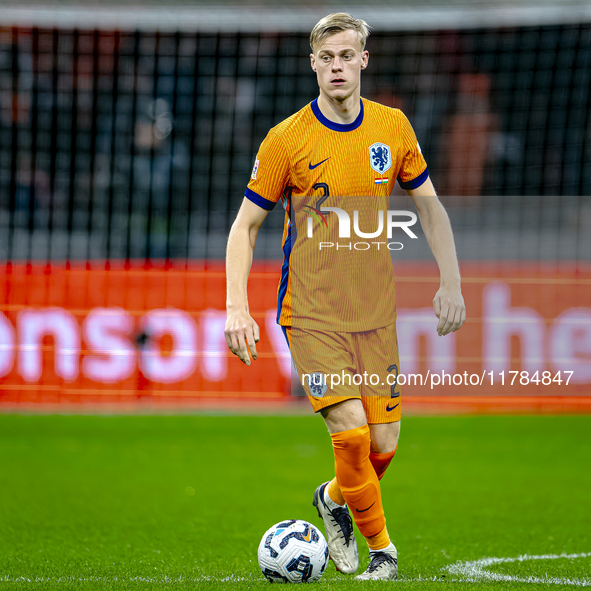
[241, 331]
[267, 181]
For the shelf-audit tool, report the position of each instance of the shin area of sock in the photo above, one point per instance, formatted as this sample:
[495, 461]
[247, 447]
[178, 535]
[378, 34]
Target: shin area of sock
[357, 479]
[380, 462]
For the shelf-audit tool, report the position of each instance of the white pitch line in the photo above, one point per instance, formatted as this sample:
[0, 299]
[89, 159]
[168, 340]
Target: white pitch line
[474, 570]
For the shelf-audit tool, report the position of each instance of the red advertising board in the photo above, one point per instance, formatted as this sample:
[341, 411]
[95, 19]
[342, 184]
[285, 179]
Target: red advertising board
[116, 335]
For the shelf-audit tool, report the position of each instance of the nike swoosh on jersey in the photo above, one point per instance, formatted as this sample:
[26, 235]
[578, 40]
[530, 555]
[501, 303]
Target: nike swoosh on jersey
[313, 166]
[389, 409]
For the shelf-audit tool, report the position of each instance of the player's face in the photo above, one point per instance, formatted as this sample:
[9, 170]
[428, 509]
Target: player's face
[338, 63]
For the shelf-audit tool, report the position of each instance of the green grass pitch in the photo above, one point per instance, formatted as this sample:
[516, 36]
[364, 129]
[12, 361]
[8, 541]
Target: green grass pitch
[181, 502]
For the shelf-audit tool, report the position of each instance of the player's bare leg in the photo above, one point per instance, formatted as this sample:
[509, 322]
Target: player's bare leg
[384, 437]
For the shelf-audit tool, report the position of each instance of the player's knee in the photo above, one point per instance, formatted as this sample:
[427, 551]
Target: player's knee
[384, 437]
[352, 446]
[359, 442]
[344, 416]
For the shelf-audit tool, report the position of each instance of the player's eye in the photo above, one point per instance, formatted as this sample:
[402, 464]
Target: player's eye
[325, 58]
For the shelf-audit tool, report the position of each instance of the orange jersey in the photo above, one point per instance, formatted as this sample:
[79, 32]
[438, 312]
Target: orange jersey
[312, 163]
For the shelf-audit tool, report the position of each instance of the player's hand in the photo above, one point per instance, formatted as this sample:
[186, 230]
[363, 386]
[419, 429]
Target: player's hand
[449, 307]
[242, 333]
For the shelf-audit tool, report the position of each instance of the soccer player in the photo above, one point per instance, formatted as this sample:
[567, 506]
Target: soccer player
[336, 299]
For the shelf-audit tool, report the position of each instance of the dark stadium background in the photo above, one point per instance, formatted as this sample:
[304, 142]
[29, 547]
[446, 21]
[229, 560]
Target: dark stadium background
[127, 138]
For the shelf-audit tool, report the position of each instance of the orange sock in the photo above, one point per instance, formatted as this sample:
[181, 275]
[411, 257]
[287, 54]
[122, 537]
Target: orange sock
[379, 541]
[380, 462]
[358, 481]
[334, 492]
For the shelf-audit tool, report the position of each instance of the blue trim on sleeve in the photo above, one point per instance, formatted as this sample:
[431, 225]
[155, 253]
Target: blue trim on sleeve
[284, 274]
[258, 200]
[416, 182]
[337, 126]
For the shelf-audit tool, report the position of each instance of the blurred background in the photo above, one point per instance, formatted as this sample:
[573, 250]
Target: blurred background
[127, 137]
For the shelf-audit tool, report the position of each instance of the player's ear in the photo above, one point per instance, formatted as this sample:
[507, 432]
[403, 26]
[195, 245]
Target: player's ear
[313, 62]
[364, 59]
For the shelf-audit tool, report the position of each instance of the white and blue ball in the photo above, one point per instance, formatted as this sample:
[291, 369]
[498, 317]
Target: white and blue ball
[293, 551]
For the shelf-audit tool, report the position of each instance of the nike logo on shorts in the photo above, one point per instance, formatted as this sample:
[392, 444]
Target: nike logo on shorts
[392, 408]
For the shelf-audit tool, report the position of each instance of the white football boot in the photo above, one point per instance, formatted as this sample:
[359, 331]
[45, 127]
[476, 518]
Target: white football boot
[383, 565]
[342, 546]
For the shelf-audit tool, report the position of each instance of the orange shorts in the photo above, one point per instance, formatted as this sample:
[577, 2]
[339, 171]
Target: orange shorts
[337, 366]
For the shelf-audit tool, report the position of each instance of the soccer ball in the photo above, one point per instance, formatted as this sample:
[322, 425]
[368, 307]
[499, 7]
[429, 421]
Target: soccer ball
[293, 551]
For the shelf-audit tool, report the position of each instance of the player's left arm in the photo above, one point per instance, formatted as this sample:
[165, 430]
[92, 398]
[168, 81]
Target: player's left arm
[448, 302]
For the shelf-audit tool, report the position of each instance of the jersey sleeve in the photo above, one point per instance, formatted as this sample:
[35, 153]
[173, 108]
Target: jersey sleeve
[270, 174]
[413, 172]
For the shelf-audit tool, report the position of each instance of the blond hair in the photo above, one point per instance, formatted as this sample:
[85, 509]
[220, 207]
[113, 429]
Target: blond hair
[335, 23]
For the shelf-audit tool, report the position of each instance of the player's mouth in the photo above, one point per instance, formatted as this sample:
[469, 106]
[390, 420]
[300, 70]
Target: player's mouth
[338, 81]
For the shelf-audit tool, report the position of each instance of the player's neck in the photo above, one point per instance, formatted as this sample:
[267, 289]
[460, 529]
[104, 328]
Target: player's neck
[339, 112]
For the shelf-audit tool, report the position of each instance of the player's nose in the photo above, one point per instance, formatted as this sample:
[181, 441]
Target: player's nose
[336, 64]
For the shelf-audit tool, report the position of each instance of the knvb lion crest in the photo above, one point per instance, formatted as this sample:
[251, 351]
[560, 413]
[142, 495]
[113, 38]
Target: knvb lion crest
[317, 384]
[380, 157]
